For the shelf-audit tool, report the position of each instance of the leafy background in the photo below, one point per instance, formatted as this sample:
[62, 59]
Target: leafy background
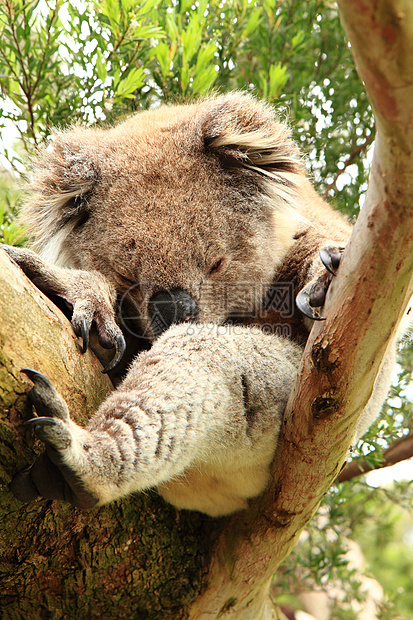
[65, 62]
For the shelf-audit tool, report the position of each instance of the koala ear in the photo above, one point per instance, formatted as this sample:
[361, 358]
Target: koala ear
[63, 179]
[244, 133]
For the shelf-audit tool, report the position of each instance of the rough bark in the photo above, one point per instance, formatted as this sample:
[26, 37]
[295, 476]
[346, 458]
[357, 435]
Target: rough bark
[141, 558]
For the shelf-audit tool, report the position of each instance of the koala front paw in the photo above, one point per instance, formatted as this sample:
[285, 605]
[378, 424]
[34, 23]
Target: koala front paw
[109, 334]
[312, 297]
[88, 296]
[50, 476]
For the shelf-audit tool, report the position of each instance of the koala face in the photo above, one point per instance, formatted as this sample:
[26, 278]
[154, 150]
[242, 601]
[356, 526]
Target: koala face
[186, 208]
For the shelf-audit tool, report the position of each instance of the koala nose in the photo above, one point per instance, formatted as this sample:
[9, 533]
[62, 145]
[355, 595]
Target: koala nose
[167, 307]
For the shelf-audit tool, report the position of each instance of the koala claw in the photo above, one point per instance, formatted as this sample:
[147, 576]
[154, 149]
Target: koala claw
[109, 335]
[120, 347]
[40, 420]
[52, 432]
[50, 427]
[44, 397]
[87, 298]
[312, 297]
[85, 335]
[330, 257]
[304, 305]
[36, 376]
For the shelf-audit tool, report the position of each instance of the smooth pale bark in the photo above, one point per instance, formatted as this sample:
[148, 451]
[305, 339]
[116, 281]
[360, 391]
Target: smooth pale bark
[140, 558]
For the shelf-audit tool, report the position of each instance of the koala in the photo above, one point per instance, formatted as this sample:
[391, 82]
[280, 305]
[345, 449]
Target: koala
[189, 229]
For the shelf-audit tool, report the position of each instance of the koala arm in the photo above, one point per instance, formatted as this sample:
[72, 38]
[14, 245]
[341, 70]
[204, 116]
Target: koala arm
[87, 293]
[205, 398]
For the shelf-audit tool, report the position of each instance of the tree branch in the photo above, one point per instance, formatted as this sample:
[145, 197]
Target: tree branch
[35, 334]
[401, 450]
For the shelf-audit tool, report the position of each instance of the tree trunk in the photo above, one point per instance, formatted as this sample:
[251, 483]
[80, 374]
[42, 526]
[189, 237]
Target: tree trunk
[140, 558]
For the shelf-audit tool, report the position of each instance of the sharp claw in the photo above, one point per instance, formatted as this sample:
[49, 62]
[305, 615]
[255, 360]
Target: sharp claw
[37, 377]
[85, 335]
[41, 421]
[120, 346]
[44, 397]
[330, 257]
[302, 301]
[60, 441]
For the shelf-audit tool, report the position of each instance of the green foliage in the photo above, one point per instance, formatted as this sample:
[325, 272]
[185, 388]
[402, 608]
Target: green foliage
[384, 530]
[319, 562]
[350, 512]
[11, 232]
[185, 59]
[396, 420]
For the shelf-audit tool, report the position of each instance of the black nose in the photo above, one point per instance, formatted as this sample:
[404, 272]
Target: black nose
[167, 307]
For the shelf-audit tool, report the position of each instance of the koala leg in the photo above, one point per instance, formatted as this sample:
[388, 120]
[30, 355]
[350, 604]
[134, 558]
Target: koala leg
[312, 297]
[87, 293]
[205, 401]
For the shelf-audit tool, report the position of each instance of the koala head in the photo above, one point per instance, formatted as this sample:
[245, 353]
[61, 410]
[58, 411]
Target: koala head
[188, 208]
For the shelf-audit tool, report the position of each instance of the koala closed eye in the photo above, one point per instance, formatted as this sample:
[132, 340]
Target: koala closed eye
[217, 267]
[127, 282]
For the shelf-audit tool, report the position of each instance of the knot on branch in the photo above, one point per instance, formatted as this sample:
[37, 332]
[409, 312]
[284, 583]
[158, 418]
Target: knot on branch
[283, 518]
[324, 406]
[323, 356]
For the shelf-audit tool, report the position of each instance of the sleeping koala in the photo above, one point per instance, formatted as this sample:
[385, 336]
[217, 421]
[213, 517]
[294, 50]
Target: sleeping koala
[191, 227]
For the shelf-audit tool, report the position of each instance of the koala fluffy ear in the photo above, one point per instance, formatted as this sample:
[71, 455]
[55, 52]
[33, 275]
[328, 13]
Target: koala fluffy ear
[63, 178]
[244, 133]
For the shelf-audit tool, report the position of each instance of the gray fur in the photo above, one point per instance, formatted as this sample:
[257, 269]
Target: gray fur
[154, 203]
[182, 414]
